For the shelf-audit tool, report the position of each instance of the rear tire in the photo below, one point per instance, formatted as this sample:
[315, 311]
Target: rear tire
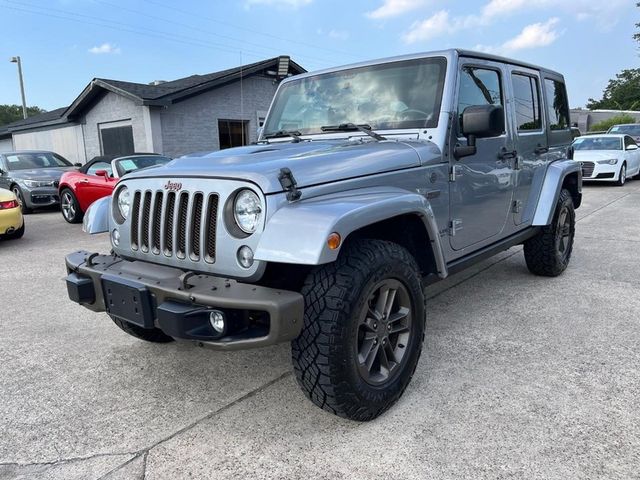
[347, 315]
[154, 335]
[70, 207]
[549, 252]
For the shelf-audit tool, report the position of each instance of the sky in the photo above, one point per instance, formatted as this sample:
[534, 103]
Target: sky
[63, 44]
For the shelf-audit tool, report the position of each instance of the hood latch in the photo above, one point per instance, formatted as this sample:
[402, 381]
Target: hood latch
[289, 184]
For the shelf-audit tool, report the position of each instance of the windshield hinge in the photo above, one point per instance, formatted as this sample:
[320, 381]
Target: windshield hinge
[289, 184]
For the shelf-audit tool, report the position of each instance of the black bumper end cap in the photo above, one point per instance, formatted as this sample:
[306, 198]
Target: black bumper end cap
[80, 288]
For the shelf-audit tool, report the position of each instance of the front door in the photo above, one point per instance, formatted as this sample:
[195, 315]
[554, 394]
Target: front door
[527, 121]
[481, 186]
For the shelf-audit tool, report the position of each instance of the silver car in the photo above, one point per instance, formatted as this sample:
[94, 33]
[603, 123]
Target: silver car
[33, 175]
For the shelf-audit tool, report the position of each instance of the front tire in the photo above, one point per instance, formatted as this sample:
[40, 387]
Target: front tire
[153, 335]
[363, 330]
[23, 206]
[622, 176]
[70, 207]
[549, 252]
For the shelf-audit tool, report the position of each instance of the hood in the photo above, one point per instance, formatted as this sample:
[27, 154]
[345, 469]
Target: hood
[44, 174]
[595, 155]
[311, 163]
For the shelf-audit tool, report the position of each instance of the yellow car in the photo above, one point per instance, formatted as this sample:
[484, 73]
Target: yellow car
[11, 221]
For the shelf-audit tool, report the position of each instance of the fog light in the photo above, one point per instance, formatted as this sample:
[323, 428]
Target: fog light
[245, 256]
[216, 319]
[115, 237]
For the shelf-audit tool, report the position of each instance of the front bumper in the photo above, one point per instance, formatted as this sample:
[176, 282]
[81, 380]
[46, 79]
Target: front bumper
[41, 197]
[179, 303]
[10, 219]
[603, 173]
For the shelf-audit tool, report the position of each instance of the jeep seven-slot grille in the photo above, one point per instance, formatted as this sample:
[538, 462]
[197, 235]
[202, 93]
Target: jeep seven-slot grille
[181, 225]
[587, 168]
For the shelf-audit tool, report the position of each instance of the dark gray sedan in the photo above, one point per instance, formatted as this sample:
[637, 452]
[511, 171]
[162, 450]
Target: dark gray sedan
[33, 176]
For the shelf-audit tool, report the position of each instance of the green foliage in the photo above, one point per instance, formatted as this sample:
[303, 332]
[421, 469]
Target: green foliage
[607, 124]
[11, 113]
[622, 93]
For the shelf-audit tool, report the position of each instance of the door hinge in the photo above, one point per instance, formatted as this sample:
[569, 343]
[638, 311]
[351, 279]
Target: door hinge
[516, 206]
[289, 185]
[455, 226]
[452, 173]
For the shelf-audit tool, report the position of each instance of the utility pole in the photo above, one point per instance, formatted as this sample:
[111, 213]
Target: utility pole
[24, 101]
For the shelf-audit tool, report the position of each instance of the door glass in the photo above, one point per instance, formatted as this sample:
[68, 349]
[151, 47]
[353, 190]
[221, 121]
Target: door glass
[527, 104]
[478, 86]
[99, 166]
[557, 104]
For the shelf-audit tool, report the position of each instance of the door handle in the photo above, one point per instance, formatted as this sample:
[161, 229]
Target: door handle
[505, 154]
[539, 150]
[84, 180]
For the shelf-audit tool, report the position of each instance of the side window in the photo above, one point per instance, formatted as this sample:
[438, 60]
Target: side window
[99, 166]
[557, 104]
[478, 86]
[629, 141]
[527, 102]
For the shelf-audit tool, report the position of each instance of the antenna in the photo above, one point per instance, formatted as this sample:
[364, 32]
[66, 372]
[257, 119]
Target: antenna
[241, 101]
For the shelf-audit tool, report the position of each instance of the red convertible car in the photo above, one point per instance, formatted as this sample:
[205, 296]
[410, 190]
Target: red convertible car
[96, 179]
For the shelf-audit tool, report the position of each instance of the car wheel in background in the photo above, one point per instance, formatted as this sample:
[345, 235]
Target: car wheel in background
[549, 252]
[69, 207]
[622, 176]
[363, 330]
[18, 193]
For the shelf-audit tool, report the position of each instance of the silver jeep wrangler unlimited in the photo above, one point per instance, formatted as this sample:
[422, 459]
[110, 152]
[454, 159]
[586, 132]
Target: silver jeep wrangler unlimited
[369, 182]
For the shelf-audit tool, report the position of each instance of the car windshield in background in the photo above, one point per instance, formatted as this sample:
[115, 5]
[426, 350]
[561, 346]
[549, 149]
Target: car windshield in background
[626, 129]
[30, 161]
[129, 164]
[598, 143]
[394, 95]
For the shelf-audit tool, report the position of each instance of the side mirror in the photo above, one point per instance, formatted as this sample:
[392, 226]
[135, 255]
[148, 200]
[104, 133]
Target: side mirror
[480, 121]
[102, 173]
[632, 147]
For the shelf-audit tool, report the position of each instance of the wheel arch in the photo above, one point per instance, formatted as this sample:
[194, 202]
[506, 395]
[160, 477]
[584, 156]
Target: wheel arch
[562, 174]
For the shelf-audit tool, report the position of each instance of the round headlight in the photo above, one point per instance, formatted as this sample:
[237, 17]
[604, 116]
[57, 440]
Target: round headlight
[124, 202]
[247, 211]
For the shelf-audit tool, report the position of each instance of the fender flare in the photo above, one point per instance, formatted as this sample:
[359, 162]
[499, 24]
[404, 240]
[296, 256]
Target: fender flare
[297, 233]
[96, 218]
[551, 186]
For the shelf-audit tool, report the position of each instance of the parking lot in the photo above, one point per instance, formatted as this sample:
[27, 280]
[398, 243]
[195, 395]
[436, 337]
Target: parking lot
[521, 377]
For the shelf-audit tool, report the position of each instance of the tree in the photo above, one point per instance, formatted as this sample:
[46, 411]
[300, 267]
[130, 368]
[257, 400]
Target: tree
[11, 113]
[605, 125]
[636, 36]
[622, 93]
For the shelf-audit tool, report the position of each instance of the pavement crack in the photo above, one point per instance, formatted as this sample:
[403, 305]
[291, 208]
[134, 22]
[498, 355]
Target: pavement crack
[63, 461]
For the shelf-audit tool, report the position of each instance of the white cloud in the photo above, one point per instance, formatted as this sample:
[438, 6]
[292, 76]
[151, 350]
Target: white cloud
[533, 36]
[439, 23]
[278, 3]
[392, 8]
[105, 48]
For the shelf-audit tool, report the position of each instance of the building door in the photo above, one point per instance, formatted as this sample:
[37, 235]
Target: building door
[233, 133]
[117, 140]
[482, 185]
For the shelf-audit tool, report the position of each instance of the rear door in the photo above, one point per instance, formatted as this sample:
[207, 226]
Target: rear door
[633, 156]
[481, 186]
[530, 141]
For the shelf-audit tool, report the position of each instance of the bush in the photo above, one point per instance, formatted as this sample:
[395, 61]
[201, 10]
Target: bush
[607, 124]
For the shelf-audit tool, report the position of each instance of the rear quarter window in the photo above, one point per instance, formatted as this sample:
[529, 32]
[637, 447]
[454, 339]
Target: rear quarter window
[557, 111]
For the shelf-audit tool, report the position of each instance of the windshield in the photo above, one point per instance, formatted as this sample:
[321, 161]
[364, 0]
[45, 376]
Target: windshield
[598, 143]
[395, 95]
[628, 129]
[129, 164]
[33, 160]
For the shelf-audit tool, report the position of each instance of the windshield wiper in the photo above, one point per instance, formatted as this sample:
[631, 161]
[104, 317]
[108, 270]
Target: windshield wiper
[351, 127]
[295, 134]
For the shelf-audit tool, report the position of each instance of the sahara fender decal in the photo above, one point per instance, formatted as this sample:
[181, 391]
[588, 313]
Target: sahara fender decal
[555, 175]
[297, 233]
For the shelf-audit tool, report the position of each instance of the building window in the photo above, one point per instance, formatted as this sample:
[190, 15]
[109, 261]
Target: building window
[117, 140]
[233, 133]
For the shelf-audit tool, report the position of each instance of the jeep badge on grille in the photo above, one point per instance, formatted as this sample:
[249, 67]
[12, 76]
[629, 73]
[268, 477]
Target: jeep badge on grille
[172, 186]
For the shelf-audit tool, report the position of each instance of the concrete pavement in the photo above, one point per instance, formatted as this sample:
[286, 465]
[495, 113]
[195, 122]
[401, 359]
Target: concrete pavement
[521, 377]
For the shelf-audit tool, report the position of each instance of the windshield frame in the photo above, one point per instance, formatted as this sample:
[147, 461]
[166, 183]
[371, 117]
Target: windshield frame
[119, 169]
[276, 112]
